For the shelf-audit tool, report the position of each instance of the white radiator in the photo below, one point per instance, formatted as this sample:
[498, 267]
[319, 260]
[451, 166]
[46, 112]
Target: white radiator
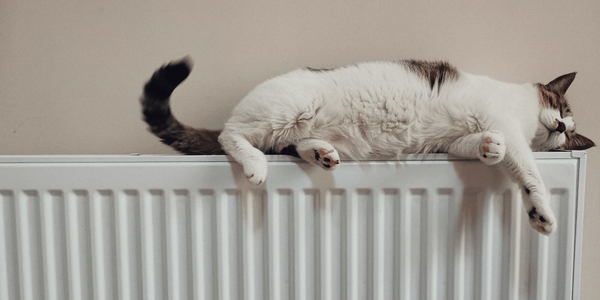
[185, 227]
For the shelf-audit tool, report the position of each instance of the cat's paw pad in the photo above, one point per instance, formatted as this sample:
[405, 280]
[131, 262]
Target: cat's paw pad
[255, 170]
[327, 159]
[318, 153]
[542, 220]
[492, 148]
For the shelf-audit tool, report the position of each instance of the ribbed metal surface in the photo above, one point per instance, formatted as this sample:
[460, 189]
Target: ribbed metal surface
[197, 230]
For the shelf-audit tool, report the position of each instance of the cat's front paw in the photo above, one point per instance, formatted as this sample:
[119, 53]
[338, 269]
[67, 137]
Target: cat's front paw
[541, 217]
[492, 148]
[255, 169]
[327, 159]
[542, 221]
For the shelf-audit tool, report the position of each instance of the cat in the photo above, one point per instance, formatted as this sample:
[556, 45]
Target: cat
[381, 110]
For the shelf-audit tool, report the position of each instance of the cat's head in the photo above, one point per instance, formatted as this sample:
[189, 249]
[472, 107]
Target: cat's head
[557, 127]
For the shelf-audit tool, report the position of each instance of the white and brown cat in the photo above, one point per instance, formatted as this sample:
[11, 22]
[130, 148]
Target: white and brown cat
[381, 110]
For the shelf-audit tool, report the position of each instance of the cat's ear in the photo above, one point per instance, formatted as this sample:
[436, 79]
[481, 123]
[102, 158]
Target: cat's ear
[577, 142]
[562, 83]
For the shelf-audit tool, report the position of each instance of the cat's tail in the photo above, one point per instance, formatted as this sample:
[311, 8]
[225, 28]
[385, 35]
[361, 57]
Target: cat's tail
[157, 113]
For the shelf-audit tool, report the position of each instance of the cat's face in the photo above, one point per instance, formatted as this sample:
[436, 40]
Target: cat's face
[557, 127]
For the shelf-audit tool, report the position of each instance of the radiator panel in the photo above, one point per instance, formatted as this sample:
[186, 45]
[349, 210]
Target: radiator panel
[190, 227]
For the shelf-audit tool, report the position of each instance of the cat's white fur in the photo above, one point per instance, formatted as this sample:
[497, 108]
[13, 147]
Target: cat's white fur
[381, 110]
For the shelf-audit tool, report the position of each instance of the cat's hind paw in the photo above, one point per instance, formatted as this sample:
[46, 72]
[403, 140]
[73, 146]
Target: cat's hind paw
[492, 148]
[318, 152]
[327, 159]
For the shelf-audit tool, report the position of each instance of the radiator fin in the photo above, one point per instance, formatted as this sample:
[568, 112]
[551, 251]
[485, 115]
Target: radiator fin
[204, 224]
[54, 250]
[9, 250]
[79, 244]
[154, 253]
[29, 236]
[129, 242]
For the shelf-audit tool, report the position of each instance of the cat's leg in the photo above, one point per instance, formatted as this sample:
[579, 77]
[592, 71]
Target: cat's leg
[520, 162]
[318, 152]
[252, 160]
[488, 146]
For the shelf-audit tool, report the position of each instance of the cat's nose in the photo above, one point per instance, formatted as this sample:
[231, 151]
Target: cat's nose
[561, 127]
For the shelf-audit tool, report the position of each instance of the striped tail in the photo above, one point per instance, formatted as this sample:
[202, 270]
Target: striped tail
[157, 113]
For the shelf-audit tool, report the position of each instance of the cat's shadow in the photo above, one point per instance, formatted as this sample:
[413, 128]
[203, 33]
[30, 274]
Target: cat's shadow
[486, 200]
[253, 199]
[483, 186]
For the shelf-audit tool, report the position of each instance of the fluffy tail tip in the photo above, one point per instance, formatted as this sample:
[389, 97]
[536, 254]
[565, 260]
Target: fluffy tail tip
[167, 78]
[177, 71]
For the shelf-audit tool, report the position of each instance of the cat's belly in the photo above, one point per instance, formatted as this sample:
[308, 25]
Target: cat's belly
[370, 124]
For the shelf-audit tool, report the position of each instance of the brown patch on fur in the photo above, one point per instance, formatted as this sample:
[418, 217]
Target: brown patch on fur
[434, 72]
[549, 99]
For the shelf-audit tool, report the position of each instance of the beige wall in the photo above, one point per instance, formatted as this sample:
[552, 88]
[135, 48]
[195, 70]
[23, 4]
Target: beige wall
[71, 71]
